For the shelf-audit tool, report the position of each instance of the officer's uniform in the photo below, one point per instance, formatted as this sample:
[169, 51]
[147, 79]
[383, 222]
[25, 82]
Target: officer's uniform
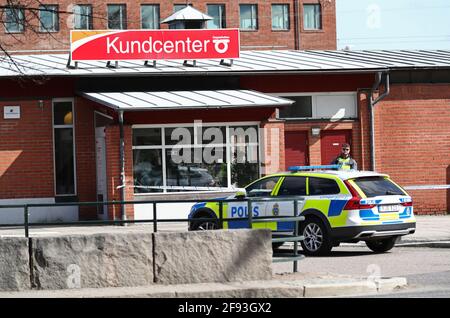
[345, 163]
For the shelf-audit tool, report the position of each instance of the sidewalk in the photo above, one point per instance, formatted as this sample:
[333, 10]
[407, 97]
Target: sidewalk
[282, 286]
[431, 230]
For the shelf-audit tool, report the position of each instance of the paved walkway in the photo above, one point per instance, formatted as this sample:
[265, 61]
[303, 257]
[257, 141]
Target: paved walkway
[433, 228]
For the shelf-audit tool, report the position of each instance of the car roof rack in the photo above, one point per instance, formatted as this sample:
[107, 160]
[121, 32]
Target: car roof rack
[308, 168]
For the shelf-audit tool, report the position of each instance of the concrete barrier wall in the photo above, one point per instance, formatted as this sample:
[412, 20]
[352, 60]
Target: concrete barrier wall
[14, 264]
[135, 259]
[213, 256]
[103, 260]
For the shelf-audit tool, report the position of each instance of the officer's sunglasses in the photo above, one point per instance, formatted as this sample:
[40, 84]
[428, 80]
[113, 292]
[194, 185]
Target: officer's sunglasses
[346, 149]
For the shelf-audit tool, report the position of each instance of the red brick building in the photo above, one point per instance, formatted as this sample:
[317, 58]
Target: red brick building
[275, 24]
[60, 127]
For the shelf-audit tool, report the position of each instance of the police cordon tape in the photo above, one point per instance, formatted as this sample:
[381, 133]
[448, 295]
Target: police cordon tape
[427, 187]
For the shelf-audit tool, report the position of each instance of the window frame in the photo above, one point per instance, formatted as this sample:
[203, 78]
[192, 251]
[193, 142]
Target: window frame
[90, 19]
[20, 22]
[165, 147]
[123, 16]
[54, 127]
[320, 28]
[222, 15]
[284, 5]
[54, 13]
[155, 6]
[314, 105]
[252, 5]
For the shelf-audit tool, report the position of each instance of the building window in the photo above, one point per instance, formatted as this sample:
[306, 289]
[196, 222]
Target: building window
[302, 108]
[332, 106]
[178, 7]
[312, 17]
[64, 149]
[117, 16]
[280, 17]
[49, 18]
[150, 16]
[191, 158]
[82, 17]
[248, 14]
[14, 20]
[217, 12]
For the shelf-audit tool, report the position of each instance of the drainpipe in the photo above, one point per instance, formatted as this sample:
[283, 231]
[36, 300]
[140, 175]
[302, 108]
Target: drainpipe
[372, 104]
[122, 166]
[296, 25]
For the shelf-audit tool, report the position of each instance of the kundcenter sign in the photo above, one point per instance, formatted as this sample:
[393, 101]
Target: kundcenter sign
[154, 44]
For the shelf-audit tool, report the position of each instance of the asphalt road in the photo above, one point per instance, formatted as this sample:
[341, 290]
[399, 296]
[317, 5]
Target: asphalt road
[426, 269]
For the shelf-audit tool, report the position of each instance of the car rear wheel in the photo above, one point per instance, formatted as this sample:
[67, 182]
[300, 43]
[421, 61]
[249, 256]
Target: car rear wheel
[382, 245]
[204, 226]
[317, 239]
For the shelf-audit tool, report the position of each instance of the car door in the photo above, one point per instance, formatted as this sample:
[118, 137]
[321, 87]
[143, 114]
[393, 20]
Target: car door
[262, 188]
[291, 188]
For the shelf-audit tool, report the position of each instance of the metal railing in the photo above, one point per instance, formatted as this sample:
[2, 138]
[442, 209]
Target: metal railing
[155, 220]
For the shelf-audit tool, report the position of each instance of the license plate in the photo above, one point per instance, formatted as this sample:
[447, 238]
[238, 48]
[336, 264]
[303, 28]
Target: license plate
[388, 208]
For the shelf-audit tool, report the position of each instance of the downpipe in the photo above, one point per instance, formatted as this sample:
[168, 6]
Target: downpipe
[372, 104]
[122, 167]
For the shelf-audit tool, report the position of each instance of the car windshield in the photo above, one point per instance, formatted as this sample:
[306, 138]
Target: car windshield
[377, 186]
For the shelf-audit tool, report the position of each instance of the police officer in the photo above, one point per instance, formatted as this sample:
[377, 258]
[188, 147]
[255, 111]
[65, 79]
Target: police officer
[344, 160]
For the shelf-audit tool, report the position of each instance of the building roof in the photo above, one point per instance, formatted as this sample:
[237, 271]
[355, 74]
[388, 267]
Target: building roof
[187, 14]
[250, 62]
[135, 101]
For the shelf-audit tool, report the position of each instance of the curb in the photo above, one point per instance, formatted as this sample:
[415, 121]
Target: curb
[257, 289]
[432, 244]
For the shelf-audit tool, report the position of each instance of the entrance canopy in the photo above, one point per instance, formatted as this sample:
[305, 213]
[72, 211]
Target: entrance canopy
[175, 100]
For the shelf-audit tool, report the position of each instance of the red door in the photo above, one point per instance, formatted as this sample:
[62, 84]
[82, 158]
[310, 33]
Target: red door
[331, 142]
[296, 148]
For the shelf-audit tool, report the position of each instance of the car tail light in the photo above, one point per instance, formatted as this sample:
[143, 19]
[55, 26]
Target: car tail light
[355, 202]
[407, 203]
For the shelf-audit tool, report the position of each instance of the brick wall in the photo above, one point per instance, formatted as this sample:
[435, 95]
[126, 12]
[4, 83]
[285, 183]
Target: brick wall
[264, 36]
[413, 141]
[26, 151]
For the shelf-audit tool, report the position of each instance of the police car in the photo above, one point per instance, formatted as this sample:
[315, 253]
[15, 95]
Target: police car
[338, 205]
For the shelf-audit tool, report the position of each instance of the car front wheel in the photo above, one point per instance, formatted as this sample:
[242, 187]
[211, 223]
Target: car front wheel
[317, 240]
[382, 245]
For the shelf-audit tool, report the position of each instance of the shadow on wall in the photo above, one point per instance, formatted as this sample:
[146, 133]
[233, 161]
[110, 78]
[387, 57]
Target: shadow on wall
[24, 181]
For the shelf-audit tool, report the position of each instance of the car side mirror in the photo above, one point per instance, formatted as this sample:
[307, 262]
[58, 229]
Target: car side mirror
[241, 194]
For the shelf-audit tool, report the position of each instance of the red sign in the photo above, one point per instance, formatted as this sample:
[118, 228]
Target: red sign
[154, 45]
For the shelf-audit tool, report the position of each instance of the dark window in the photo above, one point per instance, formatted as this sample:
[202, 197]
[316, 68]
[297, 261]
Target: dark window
[147, 170]
[293, 186]
[64, 148]
[248, 16]
[302, 108]
[14, 20]
[376, 186]
[48, 17]
[147, 137]
[312, 17]
[262, 188]
[280, 17]
[217, 12]
[150, 16]
[322, 186]
[117, 16]
[82, 17]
